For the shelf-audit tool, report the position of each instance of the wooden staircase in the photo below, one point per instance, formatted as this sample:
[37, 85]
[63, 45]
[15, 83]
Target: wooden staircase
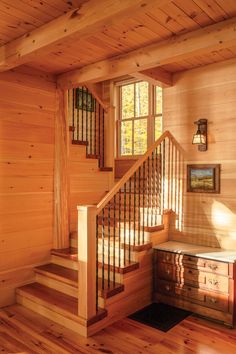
[106, 273]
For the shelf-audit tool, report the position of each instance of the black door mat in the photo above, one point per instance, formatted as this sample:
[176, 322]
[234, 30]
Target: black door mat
[160, 316]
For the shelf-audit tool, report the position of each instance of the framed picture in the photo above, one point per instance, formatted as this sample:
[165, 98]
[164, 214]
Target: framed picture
[84, 100]
[203, 178]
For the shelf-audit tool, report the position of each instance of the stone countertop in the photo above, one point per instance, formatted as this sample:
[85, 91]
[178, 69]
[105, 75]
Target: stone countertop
[216, 254]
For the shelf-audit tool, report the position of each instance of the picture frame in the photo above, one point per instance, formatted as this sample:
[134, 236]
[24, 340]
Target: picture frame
[204, 178]
[84, 100]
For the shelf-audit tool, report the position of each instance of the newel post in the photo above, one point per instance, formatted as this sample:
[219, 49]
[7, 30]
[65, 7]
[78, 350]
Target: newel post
[87, 261]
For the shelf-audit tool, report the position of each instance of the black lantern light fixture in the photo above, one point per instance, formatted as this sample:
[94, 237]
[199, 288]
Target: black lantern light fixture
[200, 138]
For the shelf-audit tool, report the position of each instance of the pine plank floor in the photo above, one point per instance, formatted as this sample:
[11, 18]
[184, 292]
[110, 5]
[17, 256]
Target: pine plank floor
[23, 331]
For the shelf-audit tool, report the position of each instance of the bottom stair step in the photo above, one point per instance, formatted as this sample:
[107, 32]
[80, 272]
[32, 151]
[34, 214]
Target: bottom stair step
[55, 305]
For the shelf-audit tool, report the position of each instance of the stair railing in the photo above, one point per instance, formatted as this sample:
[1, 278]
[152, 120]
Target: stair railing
[124, 218]
[87, 122]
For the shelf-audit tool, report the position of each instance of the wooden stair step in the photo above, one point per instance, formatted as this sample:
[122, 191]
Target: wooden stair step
[109, 289]
[54, 271]
[93, 156]
[56, 302]
[106, 169]
[79, 142]
[54, 299]
[129, 267]
[68, 253]
[70, 277]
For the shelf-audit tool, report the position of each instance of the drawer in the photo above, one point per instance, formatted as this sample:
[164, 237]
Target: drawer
[169, 257]
[217, 267]
[216, 283]
[217, 302]
[190, 293]
[165, 287]
[166, 271]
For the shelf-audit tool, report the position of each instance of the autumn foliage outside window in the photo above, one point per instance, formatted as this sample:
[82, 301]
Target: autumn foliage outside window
[140, 121]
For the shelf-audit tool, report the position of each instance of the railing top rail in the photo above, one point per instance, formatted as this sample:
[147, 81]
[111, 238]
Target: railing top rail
[135, 167]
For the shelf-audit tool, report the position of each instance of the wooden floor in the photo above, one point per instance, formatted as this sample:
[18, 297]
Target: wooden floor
[22, 331]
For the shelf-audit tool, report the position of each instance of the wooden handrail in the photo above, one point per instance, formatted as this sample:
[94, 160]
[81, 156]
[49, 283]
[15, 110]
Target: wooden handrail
[134, 168]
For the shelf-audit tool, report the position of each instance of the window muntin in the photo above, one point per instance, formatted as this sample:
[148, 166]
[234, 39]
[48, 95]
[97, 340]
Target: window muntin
[140, 115]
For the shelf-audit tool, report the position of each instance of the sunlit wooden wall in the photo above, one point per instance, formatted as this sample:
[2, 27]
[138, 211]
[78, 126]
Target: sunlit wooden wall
[27, 113]
[208, 92]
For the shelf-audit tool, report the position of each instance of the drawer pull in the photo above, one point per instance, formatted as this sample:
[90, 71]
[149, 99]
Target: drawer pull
[167, 287]
[213, 281]
[213, 266]
[214, 301]
[189, 289]
[167, 271]
[190, 271]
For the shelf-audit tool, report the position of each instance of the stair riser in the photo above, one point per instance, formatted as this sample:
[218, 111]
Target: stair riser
[118, 276]
[57, 285]
[33, 305]
[125, 236]
[118, 253]
[68, 263]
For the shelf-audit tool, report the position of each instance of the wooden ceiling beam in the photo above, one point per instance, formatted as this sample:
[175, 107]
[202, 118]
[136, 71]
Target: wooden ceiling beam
[203, 41]
[89, 18]
[156, 76]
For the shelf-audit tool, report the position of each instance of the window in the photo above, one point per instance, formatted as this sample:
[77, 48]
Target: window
[140, 117]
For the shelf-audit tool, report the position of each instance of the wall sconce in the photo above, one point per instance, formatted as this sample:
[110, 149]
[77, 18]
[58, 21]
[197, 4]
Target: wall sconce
[200, 138]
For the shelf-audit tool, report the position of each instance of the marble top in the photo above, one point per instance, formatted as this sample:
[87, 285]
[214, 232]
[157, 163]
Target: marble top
[217, 254]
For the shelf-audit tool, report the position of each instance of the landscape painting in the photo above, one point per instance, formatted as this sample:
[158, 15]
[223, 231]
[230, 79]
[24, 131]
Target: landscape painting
[203, 178]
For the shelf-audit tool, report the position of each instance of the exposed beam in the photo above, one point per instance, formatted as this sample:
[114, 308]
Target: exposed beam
[89, 18]
[156, 76]
[177, 48]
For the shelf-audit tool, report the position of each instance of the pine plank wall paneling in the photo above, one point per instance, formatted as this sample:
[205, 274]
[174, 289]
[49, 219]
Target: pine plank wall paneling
[207, 92]
[27, 113]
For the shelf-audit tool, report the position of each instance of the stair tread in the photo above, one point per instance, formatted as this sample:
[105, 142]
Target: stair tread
[57, 301]
[51, 297]
[71, 253]
[65, 253]
[67, 275]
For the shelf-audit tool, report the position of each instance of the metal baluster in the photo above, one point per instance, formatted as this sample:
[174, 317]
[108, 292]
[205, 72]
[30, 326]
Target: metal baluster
[99, 135]
[90, 131]
[95, 128]
[83, 108]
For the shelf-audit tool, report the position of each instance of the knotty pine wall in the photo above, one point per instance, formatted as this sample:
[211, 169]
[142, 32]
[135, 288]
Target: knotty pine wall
[27, 113]
[207, 92]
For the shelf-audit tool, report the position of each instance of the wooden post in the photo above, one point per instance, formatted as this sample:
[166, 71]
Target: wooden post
[87, 261]
[61, 179]
[110, 143]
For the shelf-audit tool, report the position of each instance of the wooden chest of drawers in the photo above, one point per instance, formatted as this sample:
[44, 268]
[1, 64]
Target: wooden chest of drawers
[201, 285]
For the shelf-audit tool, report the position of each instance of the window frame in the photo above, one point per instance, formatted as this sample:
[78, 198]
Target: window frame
[151, 117]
